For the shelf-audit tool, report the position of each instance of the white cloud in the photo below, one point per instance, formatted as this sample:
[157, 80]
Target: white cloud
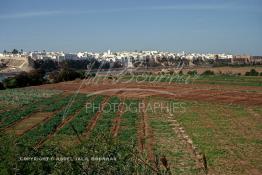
[29, 14]
[118, 10]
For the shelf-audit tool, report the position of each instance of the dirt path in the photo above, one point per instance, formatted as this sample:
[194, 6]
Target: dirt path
[145, 136]
[187, 141]
[117, 120]
[93, 121]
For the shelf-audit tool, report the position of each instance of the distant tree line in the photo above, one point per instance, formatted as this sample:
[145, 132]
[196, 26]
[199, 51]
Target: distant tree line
[51, 71]
[49, 65]
[14, 51]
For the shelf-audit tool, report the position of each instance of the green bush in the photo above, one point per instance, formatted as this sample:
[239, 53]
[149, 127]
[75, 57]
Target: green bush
[192, 72]
[34, 77]
[65, 74]
[10, 82]
[1, 86]
[252, 72]
[208, 72]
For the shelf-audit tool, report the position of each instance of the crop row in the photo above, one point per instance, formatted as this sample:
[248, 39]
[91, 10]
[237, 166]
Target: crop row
[105, 123]
[81, 120]
[37, 134]
[10, 117]
[129, 121]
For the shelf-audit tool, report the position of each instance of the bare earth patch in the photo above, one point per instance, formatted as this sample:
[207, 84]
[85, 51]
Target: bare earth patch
[29, 122]
[196, 92]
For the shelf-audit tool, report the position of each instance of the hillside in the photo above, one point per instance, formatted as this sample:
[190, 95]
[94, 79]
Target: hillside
[16, 64]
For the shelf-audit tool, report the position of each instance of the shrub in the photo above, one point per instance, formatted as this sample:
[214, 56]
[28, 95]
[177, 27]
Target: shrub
[22, 79]
[252, 72]
[192, 72]
[1, 86]
[66, 74]
[52, 77]
[260, 73]
[47, 65]
[82, 74]
[208, 72]
[10, 82]
[34, 77]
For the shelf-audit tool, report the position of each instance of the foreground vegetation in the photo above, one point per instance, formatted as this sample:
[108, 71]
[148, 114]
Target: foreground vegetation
[228, 135]
[98, 155]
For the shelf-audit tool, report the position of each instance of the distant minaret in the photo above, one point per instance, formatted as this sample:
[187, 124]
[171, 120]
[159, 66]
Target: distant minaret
[109, 52]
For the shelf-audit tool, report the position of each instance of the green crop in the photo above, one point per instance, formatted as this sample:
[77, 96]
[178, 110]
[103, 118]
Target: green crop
[34, 136]
[81, 120]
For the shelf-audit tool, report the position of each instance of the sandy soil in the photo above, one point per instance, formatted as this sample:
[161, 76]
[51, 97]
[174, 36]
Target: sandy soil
[246, 95]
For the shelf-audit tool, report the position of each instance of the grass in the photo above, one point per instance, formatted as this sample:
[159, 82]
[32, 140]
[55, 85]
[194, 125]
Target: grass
[25, 96]
[226, 134]
[229, 80]
[229, 135]
[129, 123]
[199, 79]
[167, 143]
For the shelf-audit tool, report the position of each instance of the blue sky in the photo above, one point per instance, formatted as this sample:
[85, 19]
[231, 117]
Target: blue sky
[218, 26]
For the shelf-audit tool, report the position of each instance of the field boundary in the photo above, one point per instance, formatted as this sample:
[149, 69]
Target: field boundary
[145, 134]
[192, 148]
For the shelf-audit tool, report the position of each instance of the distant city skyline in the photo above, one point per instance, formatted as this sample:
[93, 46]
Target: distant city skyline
[208, 26]
[21, 51]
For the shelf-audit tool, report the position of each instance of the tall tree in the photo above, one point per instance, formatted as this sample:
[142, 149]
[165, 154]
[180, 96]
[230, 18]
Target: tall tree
[15, 51]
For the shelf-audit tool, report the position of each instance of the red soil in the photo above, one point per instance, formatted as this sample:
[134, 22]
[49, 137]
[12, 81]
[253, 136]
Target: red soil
[145, 137]
[197, 92]
[117, 120]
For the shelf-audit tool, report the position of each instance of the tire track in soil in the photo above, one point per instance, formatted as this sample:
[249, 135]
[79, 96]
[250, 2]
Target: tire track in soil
[12, 125]
[93, 121]
[117, 120]
[145, 135]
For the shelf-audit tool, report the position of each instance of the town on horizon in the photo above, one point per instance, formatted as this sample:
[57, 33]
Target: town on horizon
[159, 87]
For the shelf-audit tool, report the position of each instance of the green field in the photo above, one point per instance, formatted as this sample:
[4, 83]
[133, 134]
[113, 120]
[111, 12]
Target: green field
[228, 135]
[198, 79]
